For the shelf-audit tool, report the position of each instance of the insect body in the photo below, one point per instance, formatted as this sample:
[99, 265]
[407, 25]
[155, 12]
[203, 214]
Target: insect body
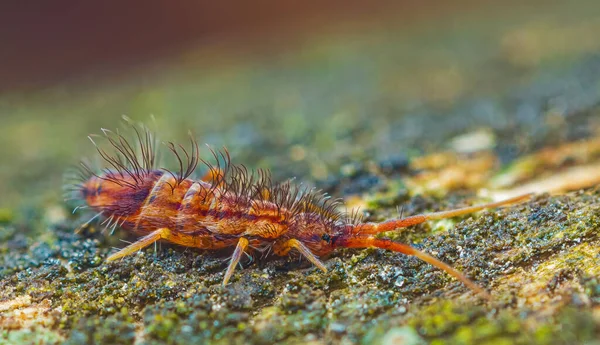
[231, 207]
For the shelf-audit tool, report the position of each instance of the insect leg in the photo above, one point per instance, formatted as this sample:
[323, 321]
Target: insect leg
[370, 241]
[375, 228]
[140, 244]
[237, 254]
[299, 246]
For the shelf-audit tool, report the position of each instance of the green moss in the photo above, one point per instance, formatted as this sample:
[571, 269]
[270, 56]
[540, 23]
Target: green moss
[38, 335]
[118, 329]
[6, 215]
[453, 323]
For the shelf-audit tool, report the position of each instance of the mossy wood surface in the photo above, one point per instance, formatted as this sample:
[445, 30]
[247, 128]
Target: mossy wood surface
[428, 119]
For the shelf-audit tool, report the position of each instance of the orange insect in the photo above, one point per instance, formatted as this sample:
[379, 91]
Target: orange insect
[230, 206]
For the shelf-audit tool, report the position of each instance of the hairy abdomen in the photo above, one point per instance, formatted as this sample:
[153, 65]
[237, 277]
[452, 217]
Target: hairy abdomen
[205, 216]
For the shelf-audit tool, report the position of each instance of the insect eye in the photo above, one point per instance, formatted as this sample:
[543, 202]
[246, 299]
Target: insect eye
[326, 238]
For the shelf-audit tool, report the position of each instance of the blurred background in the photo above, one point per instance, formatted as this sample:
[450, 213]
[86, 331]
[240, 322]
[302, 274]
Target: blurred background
[308, 89]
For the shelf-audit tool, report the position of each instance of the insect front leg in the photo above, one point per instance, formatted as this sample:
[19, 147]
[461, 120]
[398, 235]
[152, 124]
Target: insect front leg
[283, 248]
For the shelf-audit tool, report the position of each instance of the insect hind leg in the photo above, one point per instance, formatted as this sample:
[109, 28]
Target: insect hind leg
[235, 258]
[142, 243]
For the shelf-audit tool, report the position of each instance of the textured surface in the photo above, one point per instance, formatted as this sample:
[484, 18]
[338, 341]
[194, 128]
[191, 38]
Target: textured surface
[431, 122]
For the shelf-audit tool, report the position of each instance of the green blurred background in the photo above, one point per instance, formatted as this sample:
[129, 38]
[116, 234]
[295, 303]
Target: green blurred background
[301, 89]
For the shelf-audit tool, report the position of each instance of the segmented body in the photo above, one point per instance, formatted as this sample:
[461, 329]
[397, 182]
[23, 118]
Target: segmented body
[208, 216]
[231, 206]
